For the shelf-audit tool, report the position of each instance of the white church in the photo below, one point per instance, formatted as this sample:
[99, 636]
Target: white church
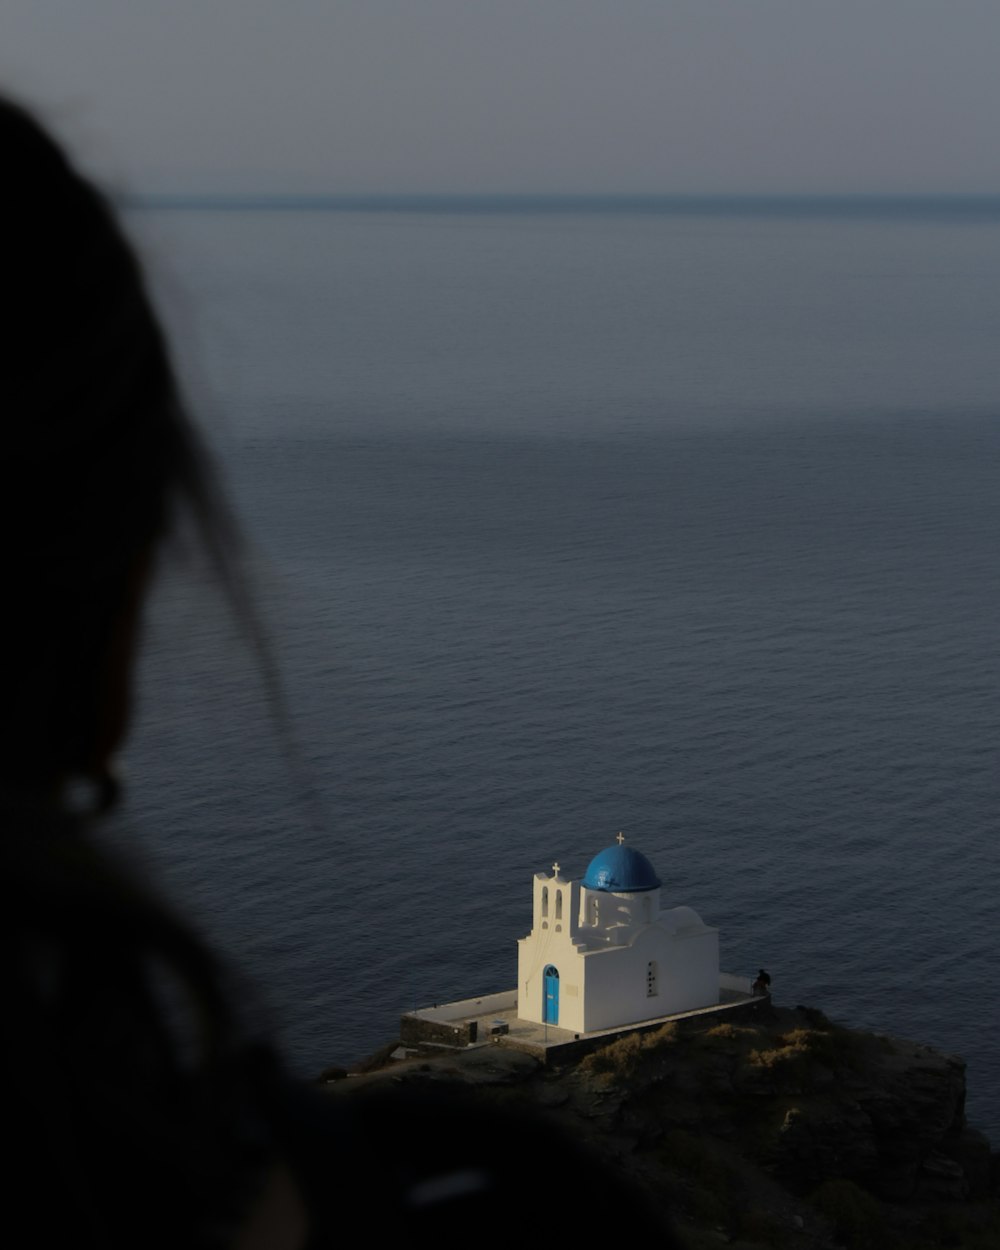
[603, 953]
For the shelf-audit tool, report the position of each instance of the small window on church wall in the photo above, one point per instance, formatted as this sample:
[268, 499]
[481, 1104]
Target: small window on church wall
[545, 900]
[559, 904]
[595, 912]
[651, 987]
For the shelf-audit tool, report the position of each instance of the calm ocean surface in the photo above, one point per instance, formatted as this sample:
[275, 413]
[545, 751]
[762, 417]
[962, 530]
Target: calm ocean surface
[684, 523]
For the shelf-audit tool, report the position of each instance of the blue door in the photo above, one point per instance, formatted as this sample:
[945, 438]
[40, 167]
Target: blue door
[551, 1013]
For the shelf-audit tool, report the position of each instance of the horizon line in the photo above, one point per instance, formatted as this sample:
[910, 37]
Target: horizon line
[865, 203]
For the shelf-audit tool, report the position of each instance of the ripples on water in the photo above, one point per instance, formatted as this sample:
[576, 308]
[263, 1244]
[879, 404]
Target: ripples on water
[644, 579]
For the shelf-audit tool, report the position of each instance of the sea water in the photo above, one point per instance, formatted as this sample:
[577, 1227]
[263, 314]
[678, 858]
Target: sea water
[675, 519]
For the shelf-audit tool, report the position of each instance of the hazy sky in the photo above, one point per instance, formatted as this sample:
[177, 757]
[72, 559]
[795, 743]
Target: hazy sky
[347, 96]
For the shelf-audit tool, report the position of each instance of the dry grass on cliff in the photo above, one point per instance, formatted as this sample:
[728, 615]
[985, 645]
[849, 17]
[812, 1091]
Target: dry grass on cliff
[803, 1046]
[765, 1050]
[621, 1058]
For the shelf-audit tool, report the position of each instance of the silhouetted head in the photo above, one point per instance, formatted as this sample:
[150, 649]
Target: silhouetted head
[96, 447]
[133, 1104]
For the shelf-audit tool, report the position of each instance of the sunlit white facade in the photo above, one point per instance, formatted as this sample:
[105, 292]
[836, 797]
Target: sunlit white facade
[603, 953]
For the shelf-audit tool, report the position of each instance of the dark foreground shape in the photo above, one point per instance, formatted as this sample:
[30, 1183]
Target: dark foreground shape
[450, 1162]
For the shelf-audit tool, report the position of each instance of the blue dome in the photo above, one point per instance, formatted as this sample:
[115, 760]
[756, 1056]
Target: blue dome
[621, 870]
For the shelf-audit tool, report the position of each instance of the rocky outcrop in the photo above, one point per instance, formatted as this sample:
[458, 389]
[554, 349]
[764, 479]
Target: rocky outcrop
[784, 1131]
[814, 1101]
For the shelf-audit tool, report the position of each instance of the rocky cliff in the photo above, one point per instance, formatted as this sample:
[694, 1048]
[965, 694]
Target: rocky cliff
[783, 1131]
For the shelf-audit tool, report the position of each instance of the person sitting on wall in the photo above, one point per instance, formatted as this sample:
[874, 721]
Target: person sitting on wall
[763, 984]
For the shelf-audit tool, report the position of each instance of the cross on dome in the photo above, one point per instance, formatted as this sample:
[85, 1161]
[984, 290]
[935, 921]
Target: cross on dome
[621, 838]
